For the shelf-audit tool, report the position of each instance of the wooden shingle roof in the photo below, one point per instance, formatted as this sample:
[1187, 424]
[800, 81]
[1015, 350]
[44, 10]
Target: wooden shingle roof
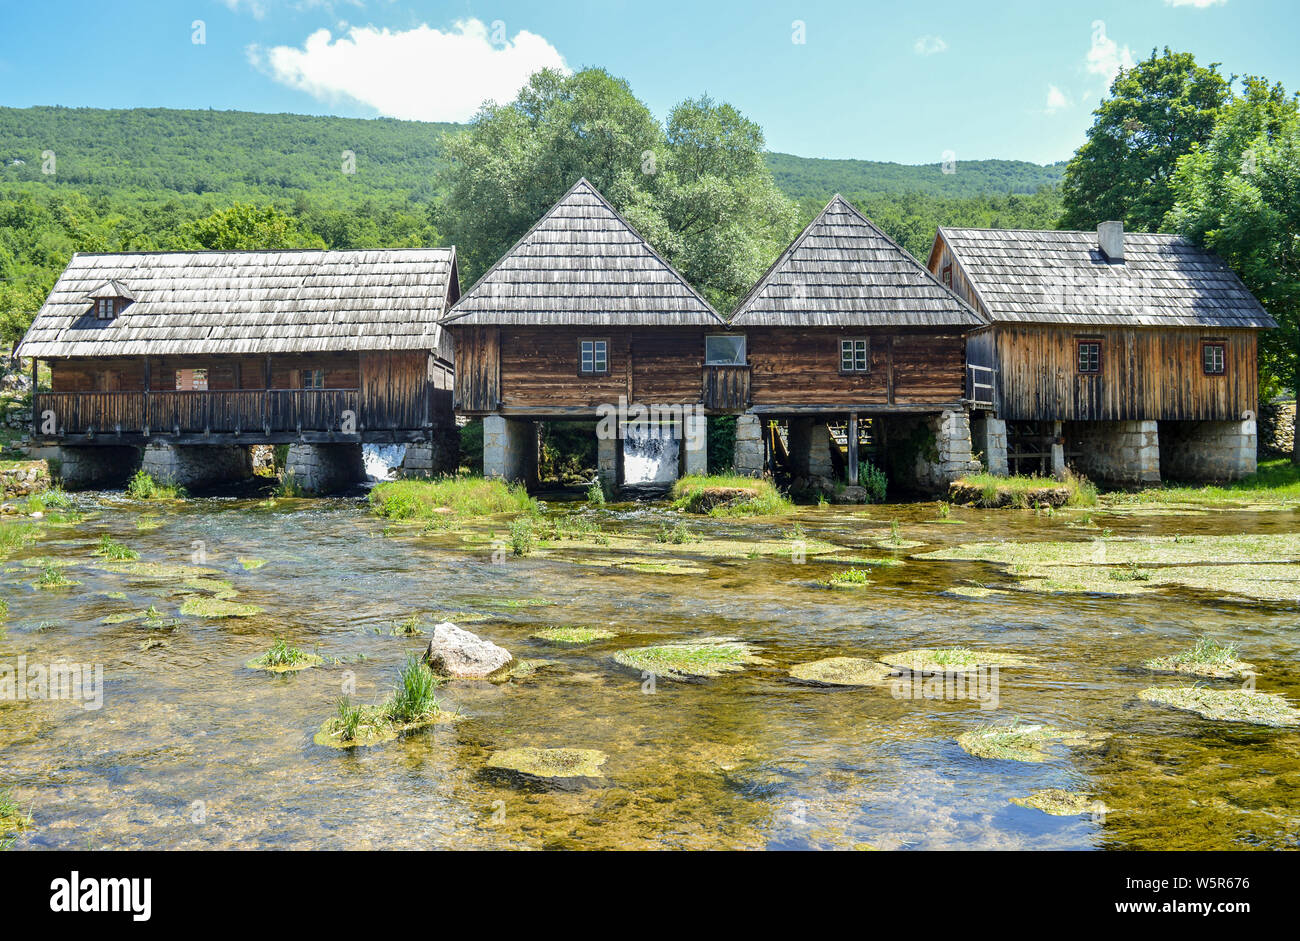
[582, 264]
[843, 271]
[1063, 277]
[190, 303]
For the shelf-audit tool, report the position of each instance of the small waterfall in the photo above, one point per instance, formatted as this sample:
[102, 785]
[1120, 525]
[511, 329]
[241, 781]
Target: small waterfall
[382, 460]
[650, 456]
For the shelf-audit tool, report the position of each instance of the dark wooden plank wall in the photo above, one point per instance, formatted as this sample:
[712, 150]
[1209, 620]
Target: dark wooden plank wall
[342, 371]
[1147, 373]
[802, 367]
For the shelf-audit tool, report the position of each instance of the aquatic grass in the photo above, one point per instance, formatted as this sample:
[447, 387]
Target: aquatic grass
[1016, 742]
[142, 486]
[287, 486]
[51, 577]
[16, 535]
[1226, 705]
[1207, 658]
[1275, 481]
[676, 536]
[572, 635]
[12, 819]
[414, 698]
[843, 671]
[522, 537]
[412, 626]
[690, 660]
[729, 496]
[1023, 492]
[596, 493]
[284, 658]
[459, 496]
[111, 549]
[411, 705]
[217, 608]
[951, 660]
[849, 578]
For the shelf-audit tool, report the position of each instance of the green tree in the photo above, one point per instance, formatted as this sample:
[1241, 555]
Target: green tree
[1156, 113]
[244, 227]
[698, 190]
[1239, 196]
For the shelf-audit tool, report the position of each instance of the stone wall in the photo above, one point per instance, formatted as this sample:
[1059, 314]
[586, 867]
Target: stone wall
[1208, 450]
[810, 449]
[989, 439]
[695, 446]
[81, 468]
[440, 454]
[1276, 429]
[1121, 453]
[323, 468]
[510, 449]
[196, 465]
[750, 457]
[25, 477]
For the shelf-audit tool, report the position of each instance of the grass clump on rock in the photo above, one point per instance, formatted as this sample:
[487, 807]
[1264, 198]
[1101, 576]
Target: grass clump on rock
[1208, 658]
[109, 548]
[549, 763]
[690, 660]
[1226, 705]
[1060, 803]
[572, 636]
[12, 819]
[729, 495]
[456, 496]
[413, 704]
[989, 490]
[1016, 742]
[849, 578]
[282, 658]
[144, 487]
[951, 660]
[52, 578]
[842, 671]
[203, 607]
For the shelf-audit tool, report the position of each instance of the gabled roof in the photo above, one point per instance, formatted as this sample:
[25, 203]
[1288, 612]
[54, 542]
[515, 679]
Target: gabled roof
[107, 289]
[1063, 277]
[190, 303]
[582, 264]
[843, 271]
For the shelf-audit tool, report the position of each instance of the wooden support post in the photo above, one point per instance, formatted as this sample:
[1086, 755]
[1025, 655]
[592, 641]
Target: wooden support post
[852, 443]
[36, 416]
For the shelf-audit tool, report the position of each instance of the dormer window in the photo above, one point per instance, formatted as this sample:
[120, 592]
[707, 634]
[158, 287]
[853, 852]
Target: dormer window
[105, 308]
[108, 299]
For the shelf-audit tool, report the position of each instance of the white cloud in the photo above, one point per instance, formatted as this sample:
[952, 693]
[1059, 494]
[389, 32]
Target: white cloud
[1057, 100]
[255, 7]
[1106, 57]
[1199, 4]
[929, 45]
[420, 74]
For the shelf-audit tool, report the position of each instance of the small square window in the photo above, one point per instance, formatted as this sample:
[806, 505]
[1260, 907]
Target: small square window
[105, 308]
[855, 355]
[312, 378]
[1089, 357]
[724, 350]
[1214, 359]
[594, 358]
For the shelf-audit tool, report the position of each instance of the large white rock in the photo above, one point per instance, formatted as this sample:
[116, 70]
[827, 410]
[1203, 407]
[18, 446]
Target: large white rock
[456, 652]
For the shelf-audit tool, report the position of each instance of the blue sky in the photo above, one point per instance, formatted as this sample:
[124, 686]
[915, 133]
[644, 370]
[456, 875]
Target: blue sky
[872, 80]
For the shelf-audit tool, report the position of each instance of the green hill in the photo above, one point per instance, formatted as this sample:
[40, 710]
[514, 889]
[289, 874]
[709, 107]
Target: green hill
[241, 153]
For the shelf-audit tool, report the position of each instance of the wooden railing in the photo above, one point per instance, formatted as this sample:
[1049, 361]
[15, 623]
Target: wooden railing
[981, 385]
[245, 411]
[726, 388]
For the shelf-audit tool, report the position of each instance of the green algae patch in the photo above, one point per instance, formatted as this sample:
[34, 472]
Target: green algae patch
[526, 669]
[1061, 803]
[1208, 659]
[462, 617]
[1226, 705]
[729, 496]
[549, 763]
[283, 658]
[951, 660]
[219, 587]
[251, 565]
[1020, 742]
[217, 608]
[572, 636]
[691, 660]
[125, 617]
[164, 570]
[975, 592]
[374, 727]
[842, 671]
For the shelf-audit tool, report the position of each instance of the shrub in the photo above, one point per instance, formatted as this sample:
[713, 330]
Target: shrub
[872, 479]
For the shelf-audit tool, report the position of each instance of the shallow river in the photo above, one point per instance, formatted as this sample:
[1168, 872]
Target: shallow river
[193, 750]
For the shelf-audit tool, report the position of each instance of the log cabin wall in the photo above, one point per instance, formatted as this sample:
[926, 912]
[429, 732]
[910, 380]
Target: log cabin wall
[127, 374]
[1145, 374]
[404, 390]
[801, 367]
[537, 368]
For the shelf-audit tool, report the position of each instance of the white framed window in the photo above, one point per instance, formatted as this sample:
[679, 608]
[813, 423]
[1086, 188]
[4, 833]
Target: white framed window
[855, 355]
[1214, 359]
[311, 378]
[593, 357]
[724, 349]
[105, 308]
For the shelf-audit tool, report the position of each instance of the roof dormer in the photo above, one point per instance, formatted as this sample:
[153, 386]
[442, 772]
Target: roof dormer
[109, 299]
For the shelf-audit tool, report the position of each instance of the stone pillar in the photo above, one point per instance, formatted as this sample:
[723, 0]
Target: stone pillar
[509, 449]
[750, 458]
[810, 449]
[1208, 450]
[607, 462]
[695, 445]
[197, 465]
[322, 468]
[98, 466]
[989, 438]
[1058, 450]
[953, 442]
[438, 455]
[1124, 453]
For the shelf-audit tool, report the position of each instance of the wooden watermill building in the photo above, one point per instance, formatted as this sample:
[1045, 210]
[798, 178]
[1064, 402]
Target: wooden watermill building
[847, 327]
[1129, 355]
[580, 315]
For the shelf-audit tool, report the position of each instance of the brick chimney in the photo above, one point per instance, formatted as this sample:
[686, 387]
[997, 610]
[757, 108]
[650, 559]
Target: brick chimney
[1110, 239]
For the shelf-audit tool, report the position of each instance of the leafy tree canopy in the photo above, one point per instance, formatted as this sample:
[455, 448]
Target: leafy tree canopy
[1157, 112]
